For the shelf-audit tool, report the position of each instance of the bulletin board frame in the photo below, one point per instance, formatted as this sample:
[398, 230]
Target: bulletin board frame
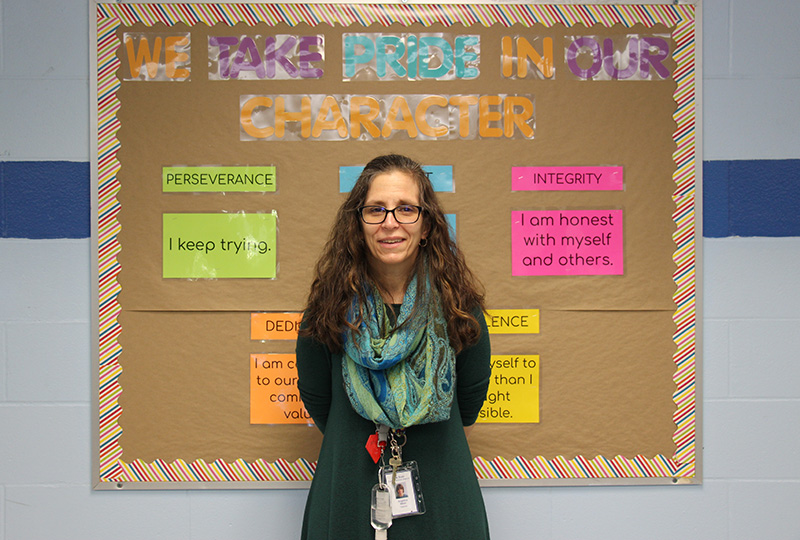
[111, 472]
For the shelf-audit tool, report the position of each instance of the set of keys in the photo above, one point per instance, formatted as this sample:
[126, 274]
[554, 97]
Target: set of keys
[381, 499]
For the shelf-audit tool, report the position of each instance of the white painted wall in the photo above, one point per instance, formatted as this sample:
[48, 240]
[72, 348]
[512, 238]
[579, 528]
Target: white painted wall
[751, 80]
[751, 404]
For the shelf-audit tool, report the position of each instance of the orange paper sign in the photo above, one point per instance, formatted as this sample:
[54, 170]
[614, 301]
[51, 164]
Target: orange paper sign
[264, 326]
[274, 398]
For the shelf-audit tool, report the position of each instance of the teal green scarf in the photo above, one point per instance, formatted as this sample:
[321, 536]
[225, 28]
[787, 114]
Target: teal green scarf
[400, 374]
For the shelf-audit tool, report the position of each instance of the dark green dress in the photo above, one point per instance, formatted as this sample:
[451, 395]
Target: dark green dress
[338, 505]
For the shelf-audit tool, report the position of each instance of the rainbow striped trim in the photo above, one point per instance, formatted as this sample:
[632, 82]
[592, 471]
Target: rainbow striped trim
[218, 471]
[684, 256]
[406, 14]
[680, 18]
[561, 468]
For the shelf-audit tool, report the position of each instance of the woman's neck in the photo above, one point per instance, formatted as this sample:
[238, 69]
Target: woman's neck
[392, 286]
[394, 292]
[392, 279]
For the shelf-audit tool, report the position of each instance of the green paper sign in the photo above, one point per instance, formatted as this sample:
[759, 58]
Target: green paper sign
[217, 246]
[218, 179]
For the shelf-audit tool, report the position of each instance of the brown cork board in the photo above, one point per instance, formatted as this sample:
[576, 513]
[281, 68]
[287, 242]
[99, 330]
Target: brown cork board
[605, 345]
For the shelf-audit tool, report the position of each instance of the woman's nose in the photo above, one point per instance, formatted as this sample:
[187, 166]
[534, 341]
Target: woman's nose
[390, 222]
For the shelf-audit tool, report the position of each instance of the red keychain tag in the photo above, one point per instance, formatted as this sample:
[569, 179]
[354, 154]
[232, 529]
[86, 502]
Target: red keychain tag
[374, 447]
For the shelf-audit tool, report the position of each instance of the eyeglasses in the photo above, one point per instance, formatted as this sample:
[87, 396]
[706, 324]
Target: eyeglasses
[405, 214]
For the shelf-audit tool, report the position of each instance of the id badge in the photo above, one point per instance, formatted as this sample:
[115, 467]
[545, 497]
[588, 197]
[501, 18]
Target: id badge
[406, 492]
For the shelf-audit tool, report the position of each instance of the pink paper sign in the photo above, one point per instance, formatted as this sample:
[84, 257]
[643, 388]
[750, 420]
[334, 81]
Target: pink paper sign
[566, 178]
[566, 243]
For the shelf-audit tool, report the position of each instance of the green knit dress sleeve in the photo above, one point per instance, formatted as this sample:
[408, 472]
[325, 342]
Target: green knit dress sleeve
[314, 379]
[473, 371]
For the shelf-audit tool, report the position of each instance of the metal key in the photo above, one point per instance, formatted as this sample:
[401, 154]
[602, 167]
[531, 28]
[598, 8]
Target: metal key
[395, 462]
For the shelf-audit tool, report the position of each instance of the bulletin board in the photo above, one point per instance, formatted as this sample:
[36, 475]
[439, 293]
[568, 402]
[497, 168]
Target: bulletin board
[562, 141]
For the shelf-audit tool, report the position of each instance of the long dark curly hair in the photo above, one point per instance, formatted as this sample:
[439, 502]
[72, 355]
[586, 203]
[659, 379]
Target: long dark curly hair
[343, 271]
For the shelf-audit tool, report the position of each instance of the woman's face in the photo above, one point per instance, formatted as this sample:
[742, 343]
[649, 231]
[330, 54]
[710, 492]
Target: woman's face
[393, 246]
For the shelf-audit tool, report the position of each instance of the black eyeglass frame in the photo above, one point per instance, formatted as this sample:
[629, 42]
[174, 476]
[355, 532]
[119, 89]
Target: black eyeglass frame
[386, 213]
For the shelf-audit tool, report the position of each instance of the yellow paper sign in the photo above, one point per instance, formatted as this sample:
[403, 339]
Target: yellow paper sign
[513, 321]
[274, 398]
[264, 326]
[513, 396]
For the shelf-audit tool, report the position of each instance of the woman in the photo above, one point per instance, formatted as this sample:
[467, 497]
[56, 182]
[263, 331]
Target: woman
[393, 342]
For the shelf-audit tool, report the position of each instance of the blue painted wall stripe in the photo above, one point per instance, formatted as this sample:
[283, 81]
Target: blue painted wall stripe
[764, 198]
[51, 199]
[715, 199]
[44, 199]
[751, 198]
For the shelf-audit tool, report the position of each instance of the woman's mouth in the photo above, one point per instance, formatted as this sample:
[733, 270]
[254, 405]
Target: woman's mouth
[391, 241]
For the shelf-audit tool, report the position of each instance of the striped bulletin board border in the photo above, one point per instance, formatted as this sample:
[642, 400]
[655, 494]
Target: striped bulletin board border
[387, 14]
[680, 18]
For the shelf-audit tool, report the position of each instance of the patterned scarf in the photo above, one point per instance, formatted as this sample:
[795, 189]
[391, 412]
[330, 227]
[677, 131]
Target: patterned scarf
[400, 374]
